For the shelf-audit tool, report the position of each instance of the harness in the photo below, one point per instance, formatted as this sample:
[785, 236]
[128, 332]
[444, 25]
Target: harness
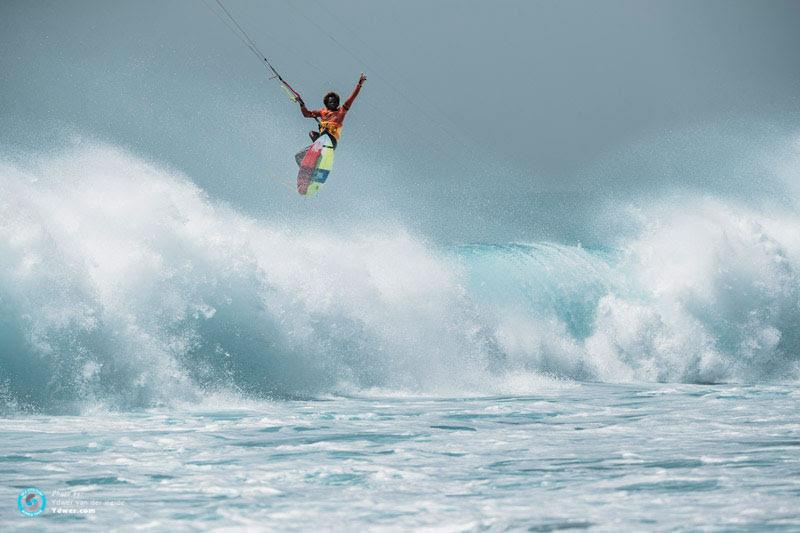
[323, 130]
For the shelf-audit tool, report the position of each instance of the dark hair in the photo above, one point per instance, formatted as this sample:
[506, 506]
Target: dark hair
[331, 95]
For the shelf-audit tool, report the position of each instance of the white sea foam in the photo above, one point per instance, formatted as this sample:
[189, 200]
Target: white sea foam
[122, 284]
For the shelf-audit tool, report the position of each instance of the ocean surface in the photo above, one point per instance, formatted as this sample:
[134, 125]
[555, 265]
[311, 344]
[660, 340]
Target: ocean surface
[167, 363]
[575, 456]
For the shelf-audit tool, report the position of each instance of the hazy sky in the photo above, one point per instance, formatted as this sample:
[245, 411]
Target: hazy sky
[494, 121]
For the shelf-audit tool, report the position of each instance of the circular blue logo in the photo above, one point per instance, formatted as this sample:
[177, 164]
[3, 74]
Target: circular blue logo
[31, 502]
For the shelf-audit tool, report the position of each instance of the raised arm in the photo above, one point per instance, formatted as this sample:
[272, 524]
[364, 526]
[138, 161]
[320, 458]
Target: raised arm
[350, 100]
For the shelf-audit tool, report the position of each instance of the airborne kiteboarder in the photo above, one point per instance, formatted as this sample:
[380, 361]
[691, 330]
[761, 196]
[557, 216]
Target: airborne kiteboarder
[316, 160]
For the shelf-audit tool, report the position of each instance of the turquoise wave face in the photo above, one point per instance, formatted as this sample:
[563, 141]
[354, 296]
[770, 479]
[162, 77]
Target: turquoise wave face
[123, 285]
[542, 279]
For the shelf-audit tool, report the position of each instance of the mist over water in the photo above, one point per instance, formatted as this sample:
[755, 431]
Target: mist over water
[123, 285]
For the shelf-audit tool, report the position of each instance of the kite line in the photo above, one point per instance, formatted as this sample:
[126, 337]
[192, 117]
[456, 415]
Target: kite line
[240, 32]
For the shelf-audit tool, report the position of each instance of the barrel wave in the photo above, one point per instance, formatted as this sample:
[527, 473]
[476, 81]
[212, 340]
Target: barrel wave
[123, 285]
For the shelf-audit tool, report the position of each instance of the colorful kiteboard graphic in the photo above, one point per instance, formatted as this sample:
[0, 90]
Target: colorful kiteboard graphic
[315, 163]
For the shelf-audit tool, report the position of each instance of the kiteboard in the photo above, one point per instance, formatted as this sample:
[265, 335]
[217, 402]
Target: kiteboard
[315, 164]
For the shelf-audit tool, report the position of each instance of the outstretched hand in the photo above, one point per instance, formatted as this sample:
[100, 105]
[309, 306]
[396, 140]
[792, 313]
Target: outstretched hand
[362, 79]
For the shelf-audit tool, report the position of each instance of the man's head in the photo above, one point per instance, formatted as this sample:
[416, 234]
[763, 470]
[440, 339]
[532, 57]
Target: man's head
[331, 101]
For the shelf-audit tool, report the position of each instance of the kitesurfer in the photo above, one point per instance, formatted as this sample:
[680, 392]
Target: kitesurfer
[331, 116]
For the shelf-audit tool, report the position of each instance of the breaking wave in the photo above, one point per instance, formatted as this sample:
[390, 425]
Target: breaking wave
[122, 284]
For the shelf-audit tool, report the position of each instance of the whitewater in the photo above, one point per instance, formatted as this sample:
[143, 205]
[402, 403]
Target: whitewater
[167, 362]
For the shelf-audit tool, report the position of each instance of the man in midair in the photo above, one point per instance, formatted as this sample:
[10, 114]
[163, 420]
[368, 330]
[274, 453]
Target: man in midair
[331, 117]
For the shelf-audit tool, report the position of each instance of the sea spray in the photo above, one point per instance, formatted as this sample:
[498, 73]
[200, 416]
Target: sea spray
[122, 283]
